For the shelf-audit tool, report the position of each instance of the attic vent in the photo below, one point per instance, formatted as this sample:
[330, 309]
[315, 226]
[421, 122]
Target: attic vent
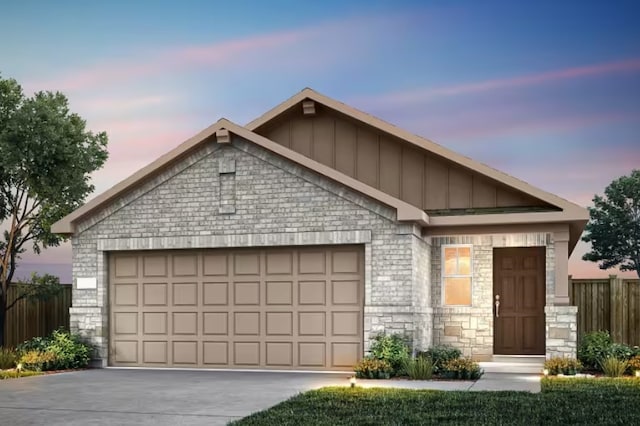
[223, 136]
[308, 107]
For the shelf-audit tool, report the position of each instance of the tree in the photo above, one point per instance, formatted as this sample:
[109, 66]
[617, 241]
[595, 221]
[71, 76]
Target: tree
[46, 158]
[614, 226]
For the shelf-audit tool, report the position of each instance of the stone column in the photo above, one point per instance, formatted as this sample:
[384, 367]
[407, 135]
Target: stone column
[561, 242]
[561, 331]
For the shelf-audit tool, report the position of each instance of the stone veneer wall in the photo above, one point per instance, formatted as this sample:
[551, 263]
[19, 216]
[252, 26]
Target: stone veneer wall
[561, 331]
[470, 328]
[241, 195]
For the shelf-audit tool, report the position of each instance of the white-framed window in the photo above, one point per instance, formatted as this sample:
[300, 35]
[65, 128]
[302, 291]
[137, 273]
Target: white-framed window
[457, 273]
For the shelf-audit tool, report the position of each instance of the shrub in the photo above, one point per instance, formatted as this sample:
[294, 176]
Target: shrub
[392, 348]
[594, 347]
[37, 361]
[462, 368]
[440, 355]
[633, 364]
[559, 365]
[613, 367]
[620, 351]
[419, 368]
[373, 368]
[8, 358]
[69, 352]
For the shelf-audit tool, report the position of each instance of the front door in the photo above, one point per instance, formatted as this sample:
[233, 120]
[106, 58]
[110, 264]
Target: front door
[519, 299]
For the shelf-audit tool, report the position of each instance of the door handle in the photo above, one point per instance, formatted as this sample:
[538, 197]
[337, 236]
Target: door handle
[497, 303]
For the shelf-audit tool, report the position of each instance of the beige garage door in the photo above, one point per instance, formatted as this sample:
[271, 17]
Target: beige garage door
[292, 308]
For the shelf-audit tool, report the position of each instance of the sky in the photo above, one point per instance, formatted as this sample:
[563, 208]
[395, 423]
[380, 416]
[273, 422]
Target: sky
[547, 91]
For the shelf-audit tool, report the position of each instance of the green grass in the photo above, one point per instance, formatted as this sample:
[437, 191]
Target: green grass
[13, 374]
[561, 402]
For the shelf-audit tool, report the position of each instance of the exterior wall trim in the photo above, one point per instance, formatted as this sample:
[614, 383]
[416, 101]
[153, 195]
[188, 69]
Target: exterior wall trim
[240, 240]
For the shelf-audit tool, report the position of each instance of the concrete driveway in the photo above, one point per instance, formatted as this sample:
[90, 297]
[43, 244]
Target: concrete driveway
[146, 397]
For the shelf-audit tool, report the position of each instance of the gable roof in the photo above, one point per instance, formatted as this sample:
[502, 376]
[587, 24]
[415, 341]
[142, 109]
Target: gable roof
[66, 225]
[573, 215]
[570, 211]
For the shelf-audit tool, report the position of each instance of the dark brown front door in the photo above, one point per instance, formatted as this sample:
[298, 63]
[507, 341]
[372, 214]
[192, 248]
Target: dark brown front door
[519, 287]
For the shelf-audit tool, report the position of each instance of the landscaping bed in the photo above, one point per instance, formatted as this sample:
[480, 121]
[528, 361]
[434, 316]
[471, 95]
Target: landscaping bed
[561, 402]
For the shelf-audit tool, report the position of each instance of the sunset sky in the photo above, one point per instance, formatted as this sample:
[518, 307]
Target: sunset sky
[547, 91]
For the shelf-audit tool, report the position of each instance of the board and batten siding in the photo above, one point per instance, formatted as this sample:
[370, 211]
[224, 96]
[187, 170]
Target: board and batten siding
[391, 165]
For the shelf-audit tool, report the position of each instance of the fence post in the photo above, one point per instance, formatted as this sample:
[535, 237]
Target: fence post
[616, 308]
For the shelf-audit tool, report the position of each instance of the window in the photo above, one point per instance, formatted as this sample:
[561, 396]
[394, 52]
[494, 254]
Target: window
[456, 275]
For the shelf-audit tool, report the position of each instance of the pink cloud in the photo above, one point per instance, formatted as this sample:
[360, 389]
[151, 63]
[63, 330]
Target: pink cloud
[427, 94]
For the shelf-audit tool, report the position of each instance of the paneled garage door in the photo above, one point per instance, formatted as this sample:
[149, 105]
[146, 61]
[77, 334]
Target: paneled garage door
[275, 308]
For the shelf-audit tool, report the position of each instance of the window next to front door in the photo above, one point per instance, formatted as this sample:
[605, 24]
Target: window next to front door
[457, 275]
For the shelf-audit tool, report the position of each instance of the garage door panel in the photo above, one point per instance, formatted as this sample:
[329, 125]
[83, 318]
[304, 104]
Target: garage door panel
[279, 323]
[312, 292]
[154, 266]
[126, 351]
[185, 323]
[126, 322]
[126, 267]
[284, 308]
[126, 294]
[246, 323]
[279, 354]
[154, 294]
[312, 262]
[345, 292]
[246, 353]
[155, 352]
[215, 264]
[279, 263]
[154, 323]
[247, 264]
[311, 354]
[279, 292]
[185, 294]
[185, 265]
[185, 352]
[216, 293]
[215, 323]
[344, 354]
[215, 354]
[246, 293]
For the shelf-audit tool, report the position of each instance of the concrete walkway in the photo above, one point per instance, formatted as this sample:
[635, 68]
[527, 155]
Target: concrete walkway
[170, 397]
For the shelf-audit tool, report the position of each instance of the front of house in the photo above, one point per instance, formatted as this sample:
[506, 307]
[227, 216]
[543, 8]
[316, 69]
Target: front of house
[288, 243]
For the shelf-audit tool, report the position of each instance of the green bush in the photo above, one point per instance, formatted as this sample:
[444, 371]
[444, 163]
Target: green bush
[419, 368]
[440, 355]
[594, 347]
[37, 361]
[69, 352]
[613, 367]
[620, 351]
[392, 348]
[462, 368]
[560, 365]
[8, 358]
[373, 368]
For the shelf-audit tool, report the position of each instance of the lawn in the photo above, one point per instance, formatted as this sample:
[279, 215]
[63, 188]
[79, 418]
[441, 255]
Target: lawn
[561, 402]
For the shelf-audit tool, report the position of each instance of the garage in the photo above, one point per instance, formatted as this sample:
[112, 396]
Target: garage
[298, 308]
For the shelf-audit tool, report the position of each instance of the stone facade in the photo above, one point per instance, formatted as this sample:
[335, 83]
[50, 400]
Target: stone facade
[241, 195]
[561, 331]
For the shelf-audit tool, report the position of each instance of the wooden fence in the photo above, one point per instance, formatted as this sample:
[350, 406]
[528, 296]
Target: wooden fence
[30, 319]
[611, 304]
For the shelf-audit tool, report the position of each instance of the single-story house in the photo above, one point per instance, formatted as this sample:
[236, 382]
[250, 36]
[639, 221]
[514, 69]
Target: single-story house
[290, 242]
